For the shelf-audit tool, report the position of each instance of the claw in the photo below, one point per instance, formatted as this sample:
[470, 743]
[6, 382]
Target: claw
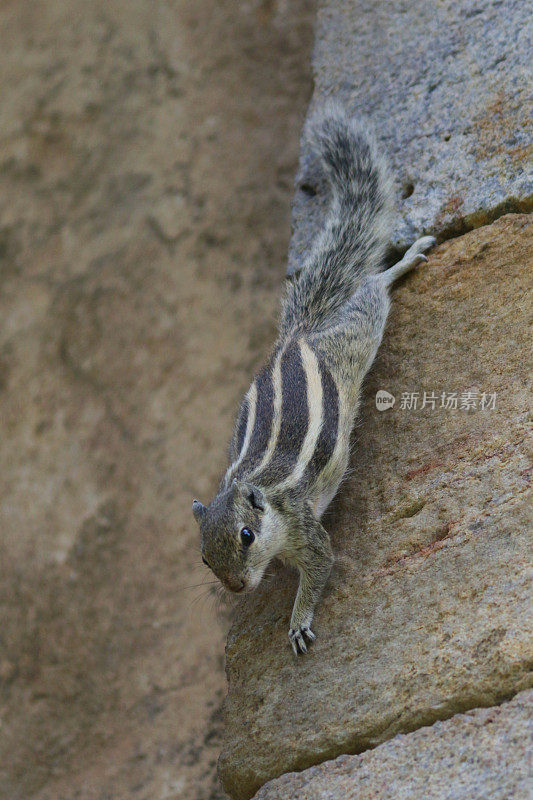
[309, 633]
[297, 639]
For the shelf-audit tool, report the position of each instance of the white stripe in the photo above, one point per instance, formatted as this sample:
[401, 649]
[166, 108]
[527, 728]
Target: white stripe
[276, 415]
[252, 405]
[316, 414]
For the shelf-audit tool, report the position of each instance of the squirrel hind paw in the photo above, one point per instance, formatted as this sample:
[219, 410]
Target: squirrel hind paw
[422, 245]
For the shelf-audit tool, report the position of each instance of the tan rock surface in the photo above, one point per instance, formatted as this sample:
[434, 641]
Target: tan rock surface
[146, 159]
[483, 754]
[428, 612]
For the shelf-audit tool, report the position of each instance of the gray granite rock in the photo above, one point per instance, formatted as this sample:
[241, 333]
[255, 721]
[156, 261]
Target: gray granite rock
[447, 86]
[476, 756]
[428, 610]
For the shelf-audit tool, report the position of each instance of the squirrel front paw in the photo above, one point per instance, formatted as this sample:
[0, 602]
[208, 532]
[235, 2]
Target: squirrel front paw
[297, 637]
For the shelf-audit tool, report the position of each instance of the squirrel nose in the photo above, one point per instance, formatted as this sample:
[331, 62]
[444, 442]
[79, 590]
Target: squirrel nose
[235, 585]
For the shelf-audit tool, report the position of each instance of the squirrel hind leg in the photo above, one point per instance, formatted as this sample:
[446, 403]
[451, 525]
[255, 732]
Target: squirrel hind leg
[411, 259]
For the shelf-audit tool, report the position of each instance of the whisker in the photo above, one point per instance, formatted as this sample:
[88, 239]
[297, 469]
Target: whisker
[196, 585]
[200, 597]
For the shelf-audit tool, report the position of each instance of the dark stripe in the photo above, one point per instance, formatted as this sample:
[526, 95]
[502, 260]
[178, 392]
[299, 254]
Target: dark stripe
[264, 412]
[328, 434]
[239, 431]
[294, 418]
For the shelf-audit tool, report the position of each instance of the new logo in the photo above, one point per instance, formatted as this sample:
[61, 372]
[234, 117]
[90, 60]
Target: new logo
[384, 400]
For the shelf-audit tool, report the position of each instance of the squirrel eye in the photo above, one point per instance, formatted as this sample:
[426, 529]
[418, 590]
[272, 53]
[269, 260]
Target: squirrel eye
[247, 537]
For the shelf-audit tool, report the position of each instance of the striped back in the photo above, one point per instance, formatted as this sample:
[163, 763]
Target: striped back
[287, 426]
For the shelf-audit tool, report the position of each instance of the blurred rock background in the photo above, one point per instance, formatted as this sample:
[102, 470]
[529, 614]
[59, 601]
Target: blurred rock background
[147, 155]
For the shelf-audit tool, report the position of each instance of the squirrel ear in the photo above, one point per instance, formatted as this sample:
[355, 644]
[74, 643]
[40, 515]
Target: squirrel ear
[198, 509]
[255, 496]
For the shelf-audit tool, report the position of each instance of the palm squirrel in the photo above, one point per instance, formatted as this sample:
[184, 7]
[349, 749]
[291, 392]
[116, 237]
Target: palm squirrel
[291, 441]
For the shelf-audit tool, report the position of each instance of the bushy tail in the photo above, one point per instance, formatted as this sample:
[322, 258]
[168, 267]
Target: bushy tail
[354, 238]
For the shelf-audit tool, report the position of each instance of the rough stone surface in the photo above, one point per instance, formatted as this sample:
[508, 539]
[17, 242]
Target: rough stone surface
[428, 612]
[147, 152]
[447, 86]
[483, 754]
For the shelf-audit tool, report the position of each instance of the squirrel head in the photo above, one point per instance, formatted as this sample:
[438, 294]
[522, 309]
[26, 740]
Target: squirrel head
[240, 534]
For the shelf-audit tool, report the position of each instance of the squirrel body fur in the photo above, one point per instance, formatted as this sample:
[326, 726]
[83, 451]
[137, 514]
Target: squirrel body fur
[291, 444]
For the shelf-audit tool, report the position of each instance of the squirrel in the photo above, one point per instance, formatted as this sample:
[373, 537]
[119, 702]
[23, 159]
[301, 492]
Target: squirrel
[291, 441]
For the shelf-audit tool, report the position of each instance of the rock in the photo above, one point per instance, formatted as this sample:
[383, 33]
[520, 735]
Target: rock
[446, 86]
[474, 756]
[427, 613]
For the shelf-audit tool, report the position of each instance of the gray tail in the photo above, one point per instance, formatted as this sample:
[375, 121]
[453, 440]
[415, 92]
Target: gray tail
[355, 235]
